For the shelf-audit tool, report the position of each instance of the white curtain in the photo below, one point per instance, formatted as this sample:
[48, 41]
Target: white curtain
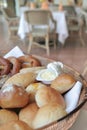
[3, 3]
[84, 3]
[17, 7]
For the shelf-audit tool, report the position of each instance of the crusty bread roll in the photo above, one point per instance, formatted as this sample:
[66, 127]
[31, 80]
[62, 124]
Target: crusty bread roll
[63, 82]
[7, 116]
[46, 95]
[32, 69]
[15, 125]
[13, 96]
[32, 89]
[28, 113]
[48, 114]
[21, 79]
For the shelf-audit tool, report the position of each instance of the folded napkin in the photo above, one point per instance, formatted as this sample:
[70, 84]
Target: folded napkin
[72, 97]
[16, 51]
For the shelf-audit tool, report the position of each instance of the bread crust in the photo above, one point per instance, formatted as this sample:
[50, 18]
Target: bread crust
[28, 113]
[21, 79]
[46, 95]
[48, 114]
[63, 82]
[7, 116]
[13, 96]
[15, 125]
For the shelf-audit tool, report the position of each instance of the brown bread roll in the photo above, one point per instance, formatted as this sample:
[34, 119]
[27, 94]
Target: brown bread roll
[46, 95]
[21, 79]
[7, 116]
[63, 82]
[32, 89]
[12, 96]
[28, 113]
[48, 114]
[15, 125]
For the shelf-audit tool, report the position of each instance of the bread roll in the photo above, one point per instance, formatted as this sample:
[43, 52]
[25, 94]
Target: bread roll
[28, 113]
[46, 95]
[32, 89]
[63, 82]
[21, 79]
[13, 96]
[7, 116]
[32, 69]
[48, 114]
[15, 125]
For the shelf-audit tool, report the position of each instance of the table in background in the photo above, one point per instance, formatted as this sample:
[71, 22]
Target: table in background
[61, 29]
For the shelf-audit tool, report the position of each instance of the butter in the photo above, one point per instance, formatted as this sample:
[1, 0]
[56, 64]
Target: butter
[48, 75]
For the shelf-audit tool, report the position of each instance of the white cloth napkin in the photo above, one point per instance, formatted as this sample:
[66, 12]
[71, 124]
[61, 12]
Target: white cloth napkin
[72, 97]
[16, 51]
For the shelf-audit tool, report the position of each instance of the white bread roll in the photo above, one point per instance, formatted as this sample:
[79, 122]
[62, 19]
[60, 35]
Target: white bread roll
[32, 69]
[46, 95]
[15, 125]
[21, 79]
[48, 114]
[32, 89]
[28, 113]
[13, 96]
[7, 116]
[63, 82]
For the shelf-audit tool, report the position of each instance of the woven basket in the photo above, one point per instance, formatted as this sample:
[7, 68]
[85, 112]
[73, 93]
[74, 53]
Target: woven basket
[66, 122]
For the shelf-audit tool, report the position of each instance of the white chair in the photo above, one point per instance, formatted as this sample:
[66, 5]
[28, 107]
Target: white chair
[76, 25]
[11, 19]
[40, 18]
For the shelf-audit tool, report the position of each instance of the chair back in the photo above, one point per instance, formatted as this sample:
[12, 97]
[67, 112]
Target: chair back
[70, 9]
[38, 20]
[37, 17]
[12, 21]
[8, 13]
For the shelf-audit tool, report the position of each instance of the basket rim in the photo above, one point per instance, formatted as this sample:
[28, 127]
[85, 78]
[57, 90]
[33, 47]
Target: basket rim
[79, 106]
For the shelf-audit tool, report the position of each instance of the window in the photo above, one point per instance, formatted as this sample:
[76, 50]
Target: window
[3, 3]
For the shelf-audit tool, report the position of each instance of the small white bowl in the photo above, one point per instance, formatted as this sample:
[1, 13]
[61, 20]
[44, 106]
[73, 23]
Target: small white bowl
[46, 76]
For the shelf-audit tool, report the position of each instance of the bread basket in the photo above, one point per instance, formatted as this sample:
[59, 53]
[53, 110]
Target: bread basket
[66, 122]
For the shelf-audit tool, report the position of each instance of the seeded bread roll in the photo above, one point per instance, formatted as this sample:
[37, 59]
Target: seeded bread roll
[28, 113]
[15, 125]
[46, 95]
[63, 82]
[21, 79]
[13, 96]
[48, 114]
[7, 116]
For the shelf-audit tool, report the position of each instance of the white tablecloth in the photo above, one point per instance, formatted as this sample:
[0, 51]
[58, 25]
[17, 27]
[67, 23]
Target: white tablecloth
[61, 29]
[23, 9]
